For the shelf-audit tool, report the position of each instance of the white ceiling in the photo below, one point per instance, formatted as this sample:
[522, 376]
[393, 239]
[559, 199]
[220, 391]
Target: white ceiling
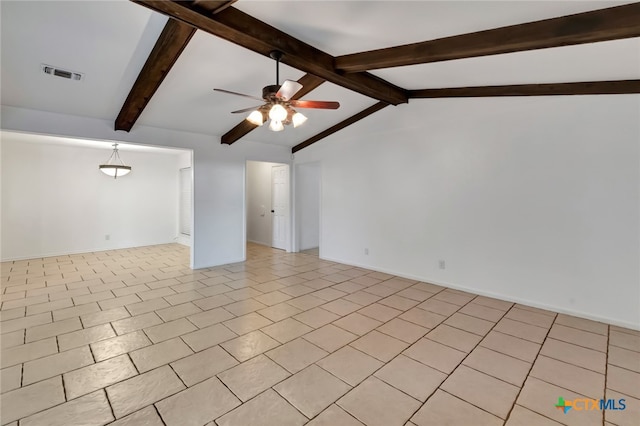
[109, 42]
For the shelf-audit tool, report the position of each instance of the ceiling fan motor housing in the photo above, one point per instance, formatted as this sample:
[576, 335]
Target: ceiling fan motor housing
[269, 92]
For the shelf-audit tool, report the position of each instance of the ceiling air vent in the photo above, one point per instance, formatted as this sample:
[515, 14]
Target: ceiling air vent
[59, 72]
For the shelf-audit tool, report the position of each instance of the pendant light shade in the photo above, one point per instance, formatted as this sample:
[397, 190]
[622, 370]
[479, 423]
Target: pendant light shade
[114, 166]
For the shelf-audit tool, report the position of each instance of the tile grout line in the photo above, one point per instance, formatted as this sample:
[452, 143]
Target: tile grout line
[515, 401]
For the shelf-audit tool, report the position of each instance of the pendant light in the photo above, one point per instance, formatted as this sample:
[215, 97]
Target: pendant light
[114, 166]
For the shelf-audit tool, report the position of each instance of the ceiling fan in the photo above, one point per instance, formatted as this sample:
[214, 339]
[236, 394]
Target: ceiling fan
[279, 105]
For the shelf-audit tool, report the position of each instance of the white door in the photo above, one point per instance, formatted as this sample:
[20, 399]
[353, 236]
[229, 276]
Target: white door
[280, 205]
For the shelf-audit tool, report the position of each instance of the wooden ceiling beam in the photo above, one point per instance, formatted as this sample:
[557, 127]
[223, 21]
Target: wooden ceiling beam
[244, 30]
[589, 27]
[308, 81]
[341, 125]
[617, 87]
[174, 38]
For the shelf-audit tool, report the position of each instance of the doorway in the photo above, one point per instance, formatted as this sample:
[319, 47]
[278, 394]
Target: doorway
[268, 204]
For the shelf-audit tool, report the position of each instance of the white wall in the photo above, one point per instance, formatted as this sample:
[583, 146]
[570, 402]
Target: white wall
[56, 201]
[307, 190]
[185, 161]
[534, 200]
[219, 235]
[259, 217]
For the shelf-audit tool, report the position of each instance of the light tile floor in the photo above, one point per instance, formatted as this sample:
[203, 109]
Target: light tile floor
[132, 337]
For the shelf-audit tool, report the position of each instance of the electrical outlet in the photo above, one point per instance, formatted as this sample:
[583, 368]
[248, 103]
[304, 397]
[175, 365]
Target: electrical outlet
[366, 251]
[107, 237]
[442, 264]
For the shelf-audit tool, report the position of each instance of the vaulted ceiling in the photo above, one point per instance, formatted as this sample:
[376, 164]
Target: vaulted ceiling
[142, 68]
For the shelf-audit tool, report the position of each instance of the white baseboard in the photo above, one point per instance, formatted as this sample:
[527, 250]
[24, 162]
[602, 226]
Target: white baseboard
[548, 307]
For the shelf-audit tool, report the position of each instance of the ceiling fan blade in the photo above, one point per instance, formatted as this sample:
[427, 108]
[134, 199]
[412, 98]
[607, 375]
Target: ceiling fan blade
[316, 104]
[246, 109]
[238, 94]
[288, 89]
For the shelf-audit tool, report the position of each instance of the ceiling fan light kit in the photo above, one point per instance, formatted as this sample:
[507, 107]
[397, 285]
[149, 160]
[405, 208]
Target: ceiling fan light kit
[279, 103]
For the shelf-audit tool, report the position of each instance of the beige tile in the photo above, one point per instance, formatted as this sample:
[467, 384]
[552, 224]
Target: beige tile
[55, 328]
[569, 376]
[247, 323]
[329, 294]
[455, 297]
[56, 364]
[375, 403]
[576, 355]
[415, 294]
[249, 345]
[630, 416]
[350, 365]
[169, 330]
[624, 340]
[84, 337]
[444, 409]
[312, 390]
[28, 352]
[253, 377]
[454, 337]
[400, 329]
[16, 303]
[203, 365]
[272, 298]
[380, 290]
[16, 313]
[583, 324]
[103, 317]
[541, 397]
[139, 322]
[14, 338]
[147, 306]
[439, 307]
[241, 307]
[193, 405]
[435, 355]
[124, 291]
[624, 330]
[362, 298]
[512, 346]
[503, 367]
[154, 294]
[471, 386]
[579, 337]
[31, 399]
[49, 306]
[501, 305]
[297, 290]
[623, 381]
[179, 311]
[90, 410]
[341, 307]
[334, 416]
[98, 376]
[483, 312]
[306, 302]
[411, 377]
[139, 391]
[287, 330]
[330, 337]
[350, 286]
[119, 345]
[423, 318]
[119, 301]
[379, 345]
[10, 378]
[519, 329]
[396, 301]
[94, 297]
[267, 409]
[207, 318]
[521, 416]
[529, 317]
[622, 358]
[316, 317]
[156, 355]
[357, 323]
[296, 355]
[279, 312]
[471, 324]
[380, 312]
[146, 417]
[207, 337]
